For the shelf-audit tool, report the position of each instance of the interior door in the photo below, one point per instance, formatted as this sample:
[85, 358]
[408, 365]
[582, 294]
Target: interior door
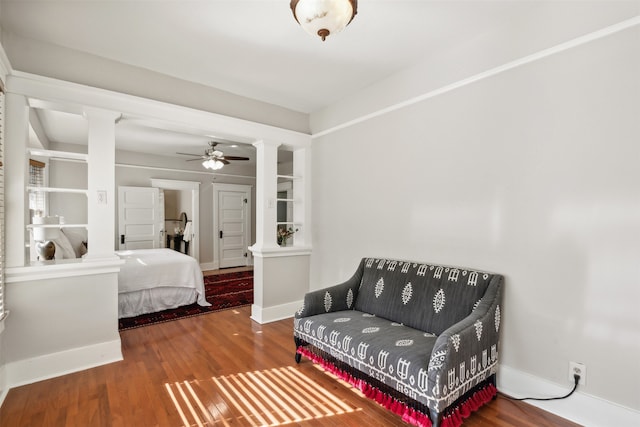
[232, 229]
[140, 218]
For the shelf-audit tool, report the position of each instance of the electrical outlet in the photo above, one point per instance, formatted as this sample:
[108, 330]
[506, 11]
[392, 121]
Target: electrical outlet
[580, 369]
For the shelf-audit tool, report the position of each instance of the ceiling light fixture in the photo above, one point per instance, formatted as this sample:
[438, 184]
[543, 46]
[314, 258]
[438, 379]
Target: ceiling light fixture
[324, 17]
[213, 164]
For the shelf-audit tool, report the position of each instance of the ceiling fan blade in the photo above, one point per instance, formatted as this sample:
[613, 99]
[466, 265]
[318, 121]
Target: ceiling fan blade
[235, 158]
[189, 154]
[194, 160]
[224, 161]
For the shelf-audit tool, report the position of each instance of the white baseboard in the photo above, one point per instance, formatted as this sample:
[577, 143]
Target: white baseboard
[277, 312]
[65, 362]
[581, 408]
[206, 266]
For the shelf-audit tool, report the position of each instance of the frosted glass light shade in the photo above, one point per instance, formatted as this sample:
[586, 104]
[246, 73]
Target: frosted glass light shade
[324, 17]
[213, 164]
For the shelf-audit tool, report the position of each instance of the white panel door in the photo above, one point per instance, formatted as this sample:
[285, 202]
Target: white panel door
[140, 218]
[232, 233]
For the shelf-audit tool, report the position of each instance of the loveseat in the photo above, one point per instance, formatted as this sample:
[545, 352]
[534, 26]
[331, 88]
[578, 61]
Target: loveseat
[420, 339]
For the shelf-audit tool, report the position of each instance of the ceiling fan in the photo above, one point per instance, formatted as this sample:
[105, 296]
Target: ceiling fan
[213, 158]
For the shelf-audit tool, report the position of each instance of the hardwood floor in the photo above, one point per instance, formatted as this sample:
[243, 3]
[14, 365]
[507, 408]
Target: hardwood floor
[218, 369]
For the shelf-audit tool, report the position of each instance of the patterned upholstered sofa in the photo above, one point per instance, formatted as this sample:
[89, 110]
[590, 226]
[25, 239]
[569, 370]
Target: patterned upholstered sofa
[420, 339]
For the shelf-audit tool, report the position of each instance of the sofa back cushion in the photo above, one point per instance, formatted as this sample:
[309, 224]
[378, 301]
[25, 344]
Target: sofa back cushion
[423, 296]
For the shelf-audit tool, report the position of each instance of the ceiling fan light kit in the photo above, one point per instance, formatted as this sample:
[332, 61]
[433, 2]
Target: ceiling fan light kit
[213, 159]
[213, 164]
[324, 17]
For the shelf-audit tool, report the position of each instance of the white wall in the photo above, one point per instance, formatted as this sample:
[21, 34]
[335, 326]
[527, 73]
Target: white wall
[43, 336]
[533, 173]
[283, 282]
[183, 204]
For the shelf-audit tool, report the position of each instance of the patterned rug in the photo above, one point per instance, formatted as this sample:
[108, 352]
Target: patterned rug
[223, 291]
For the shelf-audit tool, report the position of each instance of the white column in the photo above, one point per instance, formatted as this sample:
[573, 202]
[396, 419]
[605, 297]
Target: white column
[266, 217]
[16, 171]
[101, 206]
[266, 193]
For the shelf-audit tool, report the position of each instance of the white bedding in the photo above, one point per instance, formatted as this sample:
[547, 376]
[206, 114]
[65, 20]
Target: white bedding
[161, 271]
[132, 304]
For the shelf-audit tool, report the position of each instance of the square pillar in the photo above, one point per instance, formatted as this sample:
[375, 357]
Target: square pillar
[16, 169]
[266, 192]
[101, 206]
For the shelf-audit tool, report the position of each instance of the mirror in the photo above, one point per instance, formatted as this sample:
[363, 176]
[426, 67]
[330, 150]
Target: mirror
[183, 220]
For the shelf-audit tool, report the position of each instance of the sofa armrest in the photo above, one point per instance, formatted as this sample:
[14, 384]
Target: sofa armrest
[335, 298]
[467, 352]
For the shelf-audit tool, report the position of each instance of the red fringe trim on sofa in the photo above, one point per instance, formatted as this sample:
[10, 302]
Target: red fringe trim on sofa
[407, 413]
[454, 415]
[457, 414]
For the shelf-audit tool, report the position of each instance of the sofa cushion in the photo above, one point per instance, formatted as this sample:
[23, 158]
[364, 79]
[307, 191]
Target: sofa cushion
[392, 353]
[426, 297]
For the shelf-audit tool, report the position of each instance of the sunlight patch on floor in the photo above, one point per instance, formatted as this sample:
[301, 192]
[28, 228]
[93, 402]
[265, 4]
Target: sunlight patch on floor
[272, 397]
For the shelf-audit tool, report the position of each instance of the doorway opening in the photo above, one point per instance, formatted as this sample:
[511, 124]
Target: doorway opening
[181, 201]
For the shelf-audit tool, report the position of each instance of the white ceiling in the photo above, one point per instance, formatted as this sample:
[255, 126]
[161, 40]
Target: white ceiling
[255, 48]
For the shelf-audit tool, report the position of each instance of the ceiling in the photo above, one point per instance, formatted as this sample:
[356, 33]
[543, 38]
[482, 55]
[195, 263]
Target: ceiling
[255, 48]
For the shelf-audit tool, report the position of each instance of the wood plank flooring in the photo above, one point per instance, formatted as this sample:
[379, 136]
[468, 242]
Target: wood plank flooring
[218, 369]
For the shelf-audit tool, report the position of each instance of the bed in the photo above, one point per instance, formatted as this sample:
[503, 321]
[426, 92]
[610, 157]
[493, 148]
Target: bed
[157, 279]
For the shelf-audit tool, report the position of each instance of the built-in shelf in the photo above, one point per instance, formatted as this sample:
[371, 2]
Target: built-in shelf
[56, 190]
[291, 200]
[32, 189]
[58, 154]
[32, 226]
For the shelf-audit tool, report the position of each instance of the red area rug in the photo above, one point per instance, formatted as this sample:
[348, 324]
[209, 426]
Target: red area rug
[223, 291]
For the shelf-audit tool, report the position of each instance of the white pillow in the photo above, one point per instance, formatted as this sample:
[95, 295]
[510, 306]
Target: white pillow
[76, 238]
[63, 245]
